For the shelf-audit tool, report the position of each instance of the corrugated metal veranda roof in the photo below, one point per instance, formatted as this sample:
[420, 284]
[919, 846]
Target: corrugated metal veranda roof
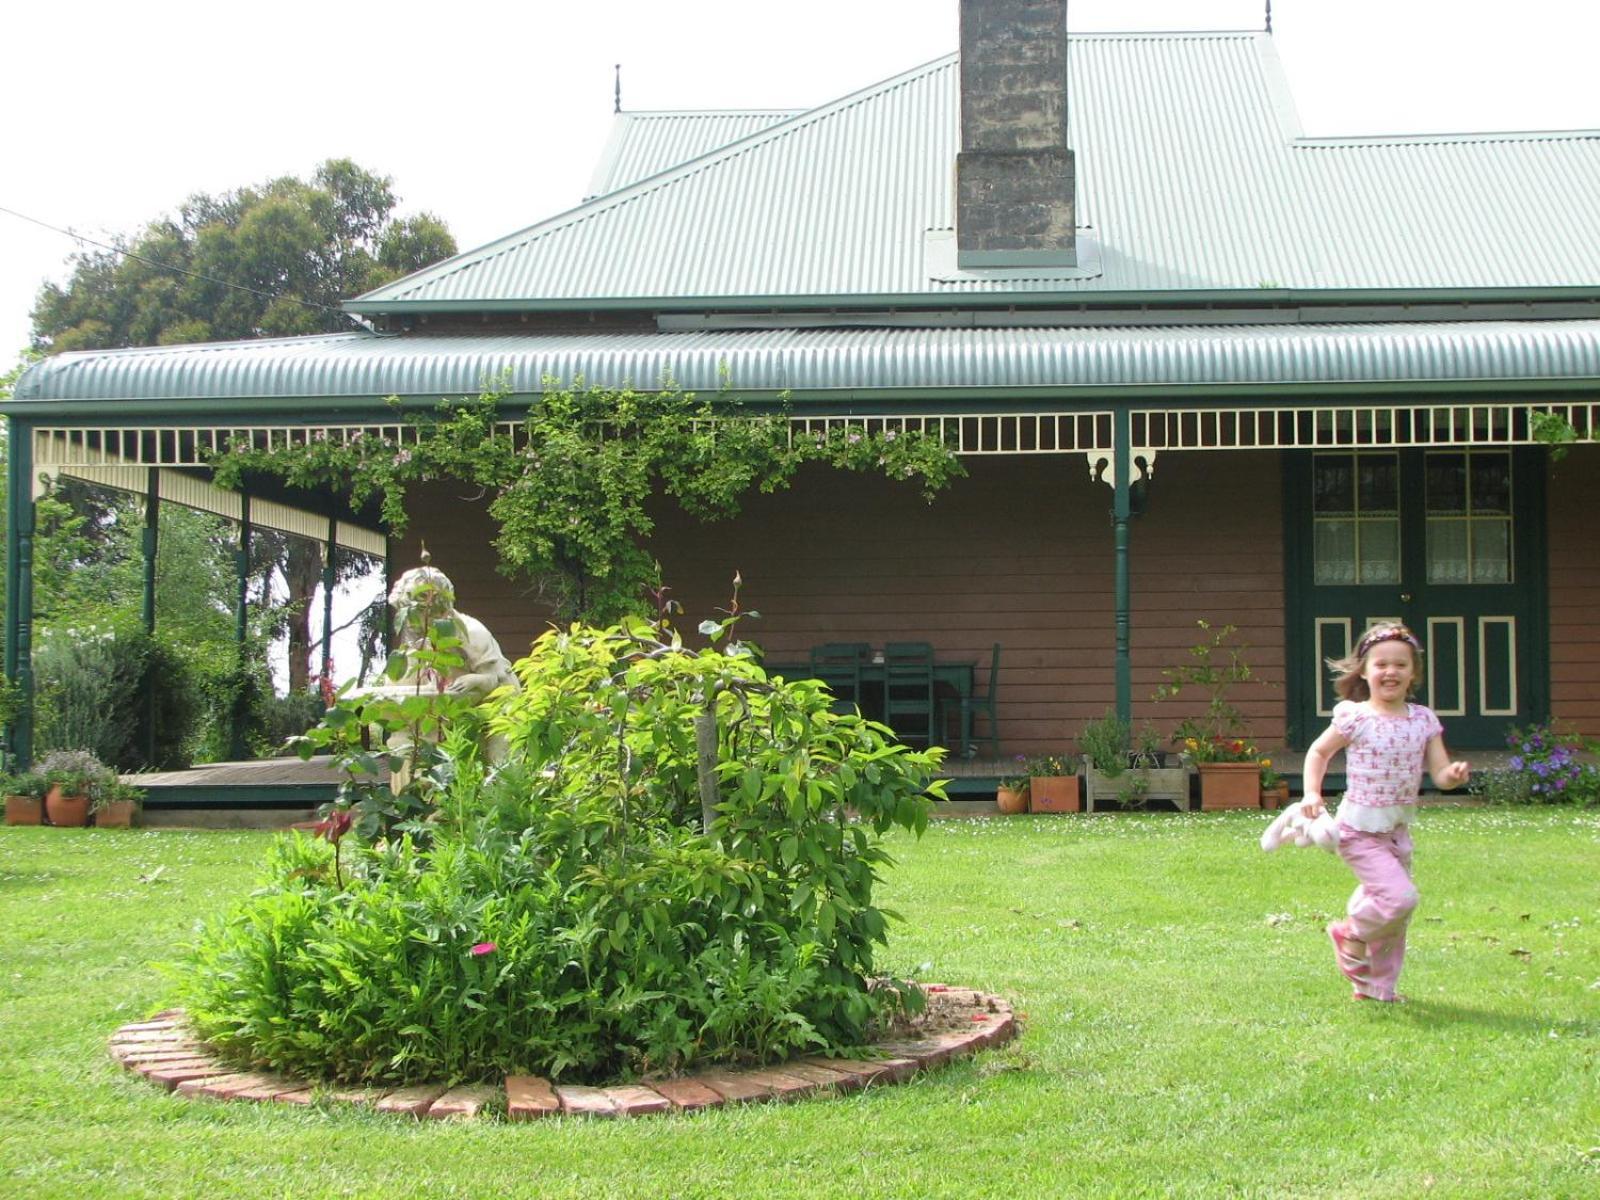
[846, 364]
[1192, 182]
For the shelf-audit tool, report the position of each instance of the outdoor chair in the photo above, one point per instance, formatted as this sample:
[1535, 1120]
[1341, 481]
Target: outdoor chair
[908, 698]
[974, 705]
[838, 664]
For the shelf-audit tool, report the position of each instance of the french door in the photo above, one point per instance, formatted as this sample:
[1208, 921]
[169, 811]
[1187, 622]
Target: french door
[1448, 541]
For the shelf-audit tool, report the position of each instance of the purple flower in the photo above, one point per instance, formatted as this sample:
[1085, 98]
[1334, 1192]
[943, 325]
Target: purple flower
[481, 949]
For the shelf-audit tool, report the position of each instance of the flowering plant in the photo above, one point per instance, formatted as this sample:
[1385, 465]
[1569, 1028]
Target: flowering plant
[1269, 778]
[1545, 767]
[1216, 748]
[1040, 766]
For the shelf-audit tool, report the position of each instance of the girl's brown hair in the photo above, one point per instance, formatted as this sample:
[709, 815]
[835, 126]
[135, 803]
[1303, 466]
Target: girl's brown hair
[1348, 679]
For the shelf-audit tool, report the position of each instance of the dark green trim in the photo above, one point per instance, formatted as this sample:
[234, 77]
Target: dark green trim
[329, 576]
[241, 631]
[1121, 515]
[19, 587]
[1081, 299]
[151, 544]
[258, 795]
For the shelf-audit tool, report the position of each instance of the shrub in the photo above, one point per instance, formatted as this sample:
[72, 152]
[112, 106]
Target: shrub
[106, 688]
[1545, 767]
[584, 909]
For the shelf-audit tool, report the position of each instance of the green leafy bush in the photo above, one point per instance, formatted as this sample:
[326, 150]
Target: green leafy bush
[103, 687]
[674, 865]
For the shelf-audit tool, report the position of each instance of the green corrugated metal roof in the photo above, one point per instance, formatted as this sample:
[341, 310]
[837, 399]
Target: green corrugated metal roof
[643, 144]
[1193, 181]
[355, 371]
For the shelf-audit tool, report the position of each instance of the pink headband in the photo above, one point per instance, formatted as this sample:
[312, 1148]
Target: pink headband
[1387, 633]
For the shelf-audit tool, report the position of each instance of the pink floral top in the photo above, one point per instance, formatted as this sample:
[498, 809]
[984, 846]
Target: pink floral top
[1383, 763]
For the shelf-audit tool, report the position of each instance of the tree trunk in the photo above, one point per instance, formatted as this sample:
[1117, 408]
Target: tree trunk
[302, 574]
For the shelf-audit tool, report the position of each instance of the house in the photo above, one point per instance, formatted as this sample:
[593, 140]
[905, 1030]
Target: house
[1198, 366]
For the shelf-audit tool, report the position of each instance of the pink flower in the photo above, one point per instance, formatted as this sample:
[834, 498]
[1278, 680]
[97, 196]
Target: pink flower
[481, 949]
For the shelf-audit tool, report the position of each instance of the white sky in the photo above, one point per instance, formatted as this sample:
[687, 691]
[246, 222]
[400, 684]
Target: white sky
[492, 115]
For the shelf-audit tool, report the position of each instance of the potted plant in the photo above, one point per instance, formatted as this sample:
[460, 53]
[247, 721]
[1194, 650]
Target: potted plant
[1012, 794]
[24, 797]
[1053, 783]
[1274, 787]
[72, 775]
[114, 804]
[1215, 741]
[1133, 774]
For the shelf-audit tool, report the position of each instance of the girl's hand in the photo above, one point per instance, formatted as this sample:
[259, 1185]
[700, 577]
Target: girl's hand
[1311, 807]
[1454, 775]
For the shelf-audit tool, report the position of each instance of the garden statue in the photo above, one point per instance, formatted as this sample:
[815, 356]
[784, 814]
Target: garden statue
[421, 598]
[424, 596]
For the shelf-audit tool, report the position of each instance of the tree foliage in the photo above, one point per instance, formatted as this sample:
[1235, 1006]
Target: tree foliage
[571, 485]
[272, 260]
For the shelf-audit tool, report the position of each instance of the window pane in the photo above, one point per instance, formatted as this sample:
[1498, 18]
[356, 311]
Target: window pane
[1491, 483]
[1335, 551]
[1447, 483]
[1333, 484]
[1447, 552]
[1491, 551]
[1380, 552]
[1379, 483]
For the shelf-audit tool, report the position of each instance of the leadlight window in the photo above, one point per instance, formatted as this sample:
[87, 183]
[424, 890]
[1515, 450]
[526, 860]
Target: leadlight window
[1469, 516]
[1356, 518]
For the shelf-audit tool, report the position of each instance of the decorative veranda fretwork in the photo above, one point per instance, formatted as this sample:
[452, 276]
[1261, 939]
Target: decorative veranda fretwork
[1492, 424]
[1078, 432]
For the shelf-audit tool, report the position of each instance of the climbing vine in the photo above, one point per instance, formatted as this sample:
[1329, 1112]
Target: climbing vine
[570, 485]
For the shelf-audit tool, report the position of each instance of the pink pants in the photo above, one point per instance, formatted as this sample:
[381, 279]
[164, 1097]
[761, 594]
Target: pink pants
[1381, 906]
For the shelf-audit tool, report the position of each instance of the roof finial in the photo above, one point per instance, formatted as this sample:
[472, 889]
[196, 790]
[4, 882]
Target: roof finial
[1269, 16]
[617, 105]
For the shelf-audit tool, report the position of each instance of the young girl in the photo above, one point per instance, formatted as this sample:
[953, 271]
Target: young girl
[1388, 740]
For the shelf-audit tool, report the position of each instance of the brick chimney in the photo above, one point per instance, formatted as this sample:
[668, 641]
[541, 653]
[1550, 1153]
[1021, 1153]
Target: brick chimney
[1014, 174]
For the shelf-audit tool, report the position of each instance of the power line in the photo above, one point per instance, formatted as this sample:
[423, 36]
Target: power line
[160, 266]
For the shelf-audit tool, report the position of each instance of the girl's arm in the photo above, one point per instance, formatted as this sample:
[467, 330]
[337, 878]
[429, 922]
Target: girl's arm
[1316, 767]
[1446, 774]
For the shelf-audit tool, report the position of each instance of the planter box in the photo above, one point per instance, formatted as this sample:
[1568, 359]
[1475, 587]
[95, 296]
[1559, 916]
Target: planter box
[1160, 783]
[1054, 794]
[1230, 785]
[24, 810]
[1275, 797]
[119, 814]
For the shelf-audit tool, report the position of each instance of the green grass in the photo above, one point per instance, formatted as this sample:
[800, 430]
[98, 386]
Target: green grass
[1187, 1034]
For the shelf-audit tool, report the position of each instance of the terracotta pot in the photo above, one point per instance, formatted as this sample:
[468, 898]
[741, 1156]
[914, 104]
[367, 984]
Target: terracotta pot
[1230, 785]
[1275, 797]
[118, 814]
[24, 810]
[1054, 794]
[1011, 801]
[71, 811]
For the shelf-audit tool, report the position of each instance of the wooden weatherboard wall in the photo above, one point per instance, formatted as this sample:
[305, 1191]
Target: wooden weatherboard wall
[1574, 574]
[1019, 552]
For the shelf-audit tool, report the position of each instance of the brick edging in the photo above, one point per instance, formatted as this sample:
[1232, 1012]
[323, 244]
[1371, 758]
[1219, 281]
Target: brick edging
[164, 1051]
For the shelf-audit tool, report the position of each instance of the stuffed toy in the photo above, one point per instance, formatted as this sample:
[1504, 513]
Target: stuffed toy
[1292, 827]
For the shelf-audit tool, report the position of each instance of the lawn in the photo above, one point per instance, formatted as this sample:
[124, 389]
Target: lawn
[1187, 1034]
